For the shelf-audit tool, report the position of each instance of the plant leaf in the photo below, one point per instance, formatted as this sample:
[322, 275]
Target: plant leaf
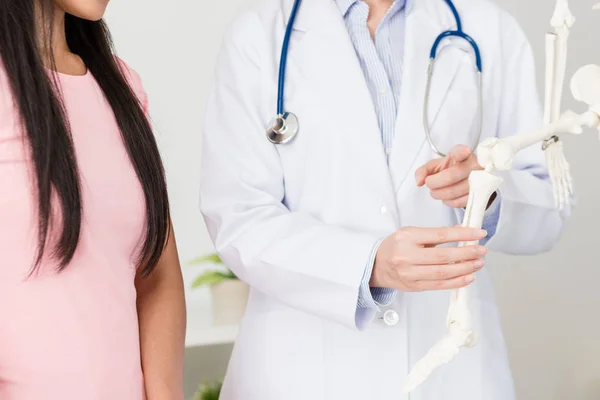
[208, 391]
[210, 258]
[230, 274]
[209, 278]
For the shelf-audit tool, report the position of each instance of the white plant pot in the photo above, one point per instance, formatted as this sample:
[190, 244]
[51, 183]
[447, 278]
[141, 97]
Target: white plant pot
[229, 300]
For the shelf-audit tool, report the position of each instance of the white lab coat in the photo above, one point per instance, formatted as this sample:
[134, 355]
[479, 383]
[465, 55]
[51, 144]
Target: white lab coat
[298, 221]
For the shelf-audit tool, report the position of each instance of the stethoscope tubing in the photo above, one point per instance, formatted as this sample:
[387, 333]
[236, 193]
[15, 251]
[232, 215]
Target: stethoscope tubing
[432, 59]
[284, 126]
[284, 54]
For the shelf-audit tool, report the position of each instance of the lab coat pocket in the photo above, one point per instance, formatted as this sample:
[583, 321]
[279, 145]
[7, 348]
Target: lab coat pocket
[457, 118]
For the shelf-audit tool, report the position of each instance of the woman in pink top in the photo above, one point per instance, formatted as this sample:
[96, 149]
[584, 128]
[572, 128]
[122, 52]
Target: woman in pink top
[91, 294]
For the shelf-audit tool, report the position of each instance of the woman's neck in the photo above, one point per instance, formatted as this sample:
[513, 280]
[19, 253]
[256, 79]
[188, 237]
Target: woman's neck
[54, 48]
[60, 48]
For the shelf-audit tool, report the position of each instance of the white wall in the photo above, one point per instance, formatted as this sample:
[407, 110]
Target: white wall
[173, 45]
[549, 302]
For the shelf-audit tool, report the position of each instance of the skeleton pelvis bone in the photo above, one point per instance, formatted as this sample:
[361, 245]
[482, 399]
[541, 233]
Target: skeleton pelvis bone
[585, 86]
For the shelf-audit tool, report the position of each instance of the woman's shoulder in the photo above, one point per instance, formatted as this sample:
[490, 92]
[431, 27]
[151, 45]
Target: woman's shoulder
[135, 82]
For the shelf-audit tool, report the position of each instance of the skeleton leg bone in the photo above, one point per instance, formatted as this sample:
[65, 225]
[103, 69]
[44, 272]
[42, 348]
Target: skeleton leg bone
[550, 76]
[560, 174]
[460, 327]
[493, 153]
[500, 154]
[559, 69]
[556, 59]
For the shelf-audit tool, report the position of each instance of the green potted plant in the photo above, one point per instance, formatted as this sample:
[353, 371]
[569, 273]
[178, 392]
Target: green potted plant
[208, 391]
[229, 294]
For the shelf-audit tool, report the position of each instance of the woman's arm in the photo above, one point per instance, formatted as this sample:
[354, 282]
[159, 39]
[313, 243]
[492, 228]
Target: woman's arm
[162, 320]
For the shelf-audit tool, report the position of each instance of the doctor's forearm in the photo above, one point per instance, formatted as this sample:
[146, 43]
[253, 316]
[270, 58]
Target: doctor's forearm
[370, 299]
[529, 222]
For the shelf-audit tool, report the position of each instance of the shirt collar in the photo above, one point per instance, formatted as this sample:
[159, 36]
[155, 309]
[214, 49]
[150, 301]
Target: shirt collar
[345, 5]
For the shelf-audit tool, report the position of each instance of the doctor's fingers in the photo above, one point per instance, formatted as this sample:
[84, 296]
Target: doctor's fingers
[431, 168]
[453, 174]
[442, 272]
[446, 284]
[461, 202]
[436, 236]
[457, 155]
[447, 255]
[452, 192]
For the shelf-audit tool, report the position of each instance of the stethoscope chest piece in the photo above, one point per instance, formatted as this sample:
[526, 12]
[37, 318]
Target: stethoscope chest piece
[283, 128]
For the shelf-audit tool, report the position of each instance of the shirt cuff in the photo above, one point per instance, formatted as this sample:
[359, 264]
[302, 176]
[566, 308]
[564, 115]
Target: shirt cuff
[490, 218]
[373, 298]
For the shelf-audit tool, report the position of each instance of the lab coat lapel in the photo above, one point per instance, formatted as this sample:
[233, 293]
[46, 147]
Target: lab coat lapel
[325, 56]
[425, 20]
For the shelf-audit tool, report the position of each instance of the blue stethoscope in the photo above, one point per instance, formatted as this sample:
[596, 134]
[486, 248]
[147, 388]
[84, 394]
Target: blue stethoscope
[284, 127]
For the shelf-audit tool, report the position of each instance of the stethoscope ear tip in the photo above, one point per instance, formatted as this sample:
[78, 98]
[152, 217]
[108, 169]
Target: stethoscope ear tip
[283, 128]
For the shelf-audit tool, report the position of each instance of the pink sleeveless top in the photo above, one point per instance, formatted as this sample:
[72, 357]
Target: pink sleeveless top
[71, 335]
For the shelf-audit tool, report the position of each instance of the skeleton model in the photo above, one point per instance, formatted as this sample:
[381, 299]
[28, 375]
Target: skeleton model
[499, 154]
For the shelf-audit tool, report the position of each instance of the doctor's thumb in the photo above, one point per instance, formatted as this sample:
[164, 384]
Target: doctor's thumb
[423, 172]
[459, 153]
[420, 176]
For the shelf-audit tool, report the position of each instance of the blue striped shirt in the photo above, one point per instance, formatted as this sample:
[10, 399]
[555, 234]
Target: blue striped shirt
[381, 59]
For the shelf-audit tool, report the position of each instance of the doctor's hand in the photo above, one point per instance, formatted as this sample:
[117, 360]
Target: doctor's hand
[448, 178]
[409, 261]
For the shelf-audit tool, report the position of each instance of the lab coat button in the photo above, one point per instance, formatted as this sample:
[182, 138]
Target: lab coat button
[388, 151]
[391, 318]
[383, 210]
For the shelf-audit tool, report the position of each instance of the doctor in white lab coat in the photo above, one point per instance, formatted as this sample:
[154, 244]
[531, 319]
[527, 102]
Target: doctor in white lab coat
[307, 222]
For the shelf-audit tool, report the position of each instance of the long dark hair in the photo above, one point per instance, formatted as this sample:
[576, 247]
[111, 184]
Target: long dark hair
[38, 100]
